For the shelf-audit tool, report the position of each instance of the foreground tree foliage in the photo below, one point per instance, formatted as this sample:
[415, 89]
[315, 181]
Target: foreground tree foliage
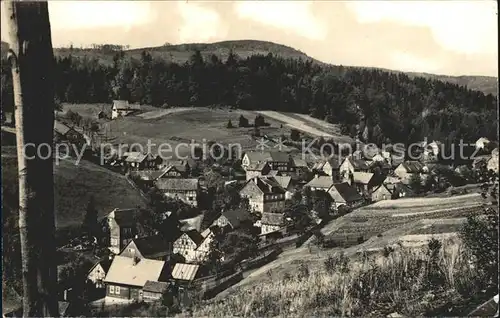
[371, 103]
[480, 236]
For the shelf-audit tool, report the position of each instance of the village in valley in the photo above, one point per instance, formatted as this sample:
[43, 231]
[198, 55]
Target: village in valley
[207, 224]
[246, 178]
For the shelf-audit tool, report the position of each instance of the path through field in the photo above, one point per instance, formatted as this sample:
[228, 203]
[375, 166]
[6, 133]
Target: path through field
[163, 112]
[328, 126]
[295, 123]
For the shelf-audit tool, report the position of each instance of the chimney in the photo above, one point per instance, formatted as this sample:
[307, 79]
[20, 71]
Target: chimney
[136, 260]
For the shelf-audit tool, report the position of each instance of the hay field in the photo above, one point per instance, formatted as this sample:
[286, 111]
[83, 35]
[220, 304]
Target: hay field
[75, 184]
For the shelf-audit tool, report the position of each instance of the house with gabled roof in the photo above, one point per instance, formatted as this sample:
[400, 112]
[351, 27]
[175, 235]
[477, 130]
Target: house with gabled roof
[122, 108]
[186, 190]
[233, 218]
[345, 194]
[351, 165]
[136, 160]
[63, 132]
[183, 272]
[193, 246]
[264, 194]
[320, 183]
[127, 276]
[175, 171]
[407, 169]
[482, 142]
[98, 272]
[364, 182]
[154, 291]
[272, 222]
[277, 160]
[381, 193]
[151, 247]
[122, 224]
[257, 169]
[287, 183]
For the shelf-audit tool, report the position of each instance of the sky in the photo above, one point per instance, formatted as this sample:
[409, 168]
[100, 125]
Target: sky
[441, 37]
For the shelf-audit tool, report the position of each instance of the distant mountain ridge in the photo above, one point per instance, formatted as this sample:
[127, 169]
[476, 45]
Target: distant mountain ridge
[180, 53]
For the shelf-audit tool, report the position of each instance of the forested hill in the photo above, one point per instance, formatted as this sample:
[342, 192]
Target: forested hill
[244, 48]
[374, 104]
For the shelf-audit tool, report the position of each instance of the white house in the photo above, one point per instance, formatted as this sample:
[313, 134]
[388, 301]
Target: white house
[482, 142]
[122, 108]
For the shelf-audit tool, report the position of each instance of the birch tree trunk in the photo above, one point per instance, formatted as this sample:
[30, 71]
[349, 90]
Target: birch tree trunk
[32, 63]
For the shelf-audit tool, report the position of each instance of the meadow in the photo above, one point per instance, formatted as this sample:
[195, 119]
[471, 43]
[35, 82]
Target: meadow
[186, 125]
[75, 184]
[417, 281]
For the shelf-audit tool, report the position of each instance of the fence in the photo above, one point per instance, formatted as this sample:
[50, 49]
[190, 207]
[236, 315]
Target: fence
[211, 289]
[135, 186]
[261, 260]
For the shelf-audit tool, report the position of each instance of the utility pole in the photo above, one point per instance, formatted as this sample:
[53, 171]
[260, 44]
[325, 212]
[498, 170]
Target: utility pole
[32, 62]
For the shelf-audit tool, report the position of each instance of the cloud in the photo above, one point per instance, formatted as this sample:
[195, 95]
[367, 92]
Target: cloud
[200, 24]
[463, 26]
[294, 16]
[92, 14]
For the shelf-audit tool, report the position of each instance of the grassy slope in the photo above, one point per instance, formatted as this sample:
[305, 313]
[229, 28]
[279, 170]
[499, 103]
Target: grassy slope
[368, 222]
[183, 126]
[75, 184]
[244, 48]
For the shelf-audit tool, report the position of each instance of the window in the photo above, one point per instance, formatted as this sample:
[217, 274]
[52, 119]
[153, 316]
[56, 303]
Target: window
[131, 250]
[114, 241]
[117, 290]
[190, 198]
[111, 289]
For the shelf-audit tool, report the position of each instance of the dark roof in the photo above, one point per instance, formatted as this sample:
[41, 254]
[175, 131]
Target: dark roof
[258, 156]
[135, 156]
[359, 164]
[63, 307]
[151, 246]
[236, 216]
[413, 166]
[155, 287]
[105, 264]
[335, 162]
[195, 236]
[124, 217]
[299, 162]
[279, 156]
[178, 184]
[382, 164]
[347, 192]
[256, 166]
[61, 128]
[180, 168]
[268, 185]
[148, 175]
[272, 218]
[124, 105]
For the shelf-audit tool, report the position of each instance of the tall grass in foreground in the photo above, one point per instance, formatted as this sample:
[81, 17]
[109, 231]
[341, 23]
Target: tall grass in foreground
[407, 281]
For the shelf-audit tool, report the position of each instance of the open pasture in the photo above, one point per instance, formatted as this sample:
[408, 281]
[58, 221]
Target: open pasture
[187, 126]
[378, 218]
[75, 184]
